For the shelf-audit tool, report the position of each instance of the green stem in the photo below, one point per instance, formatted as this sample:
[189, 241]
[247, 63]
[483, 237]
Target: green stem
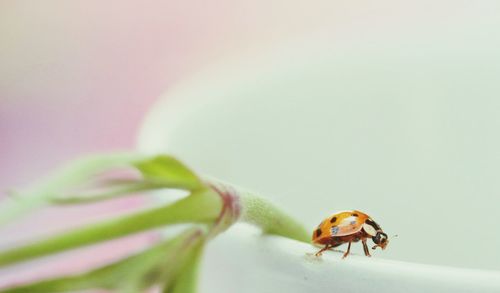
[256, 210]
[261, 212]
[204, 207]
[132, 274]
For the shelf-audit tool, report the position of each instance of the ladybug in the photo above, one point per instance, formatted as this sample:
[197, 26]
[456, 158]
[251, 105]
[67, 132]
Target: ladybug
[348, 227]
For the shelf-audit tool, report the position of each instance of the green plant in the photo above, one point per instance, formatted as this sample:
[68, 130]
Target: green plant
[209, 205]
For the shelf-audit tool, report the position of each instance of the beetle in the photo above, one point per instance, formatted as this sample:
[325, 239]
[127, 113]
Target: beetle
[348, 227]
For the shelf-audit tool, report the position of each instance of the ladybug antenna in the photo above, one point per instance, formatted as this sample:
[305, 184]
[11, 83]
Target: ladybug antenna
[395, 236]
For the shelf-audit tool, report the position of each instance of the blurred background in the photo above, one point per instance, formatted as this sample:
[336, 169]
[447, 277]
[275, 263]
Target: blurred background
[387, 106]
[79, 77]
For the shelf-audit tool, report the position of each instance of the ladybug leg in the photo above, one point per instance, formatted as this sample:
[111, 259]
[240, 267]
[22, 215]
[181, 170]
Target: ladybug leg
[319, 253]
[348, 250]
[365, 248]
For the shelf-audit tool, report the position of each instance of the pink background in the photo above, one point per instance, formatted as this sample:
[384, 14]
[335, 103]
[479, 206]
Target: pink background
[78, 76]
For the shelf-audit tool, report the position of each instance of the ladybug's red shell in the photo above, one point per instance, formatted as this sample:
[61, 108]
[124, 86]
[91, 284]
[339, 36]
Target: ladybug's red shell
[338, 225]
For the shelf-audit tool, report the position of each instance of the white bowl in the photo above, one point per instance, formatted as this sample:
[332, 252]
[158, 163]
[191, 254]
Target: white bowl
[404, 128]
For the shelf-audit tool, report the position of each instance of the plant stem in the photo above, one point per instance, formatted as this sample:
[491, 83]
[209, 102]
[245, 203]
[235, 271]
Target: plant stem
[251, 208]
[197, 208]
[261, 212]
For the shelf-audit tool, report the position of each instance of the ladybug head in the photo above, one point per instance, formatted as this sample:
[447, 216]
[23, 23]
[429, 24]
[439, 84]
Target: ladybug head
[381, 240]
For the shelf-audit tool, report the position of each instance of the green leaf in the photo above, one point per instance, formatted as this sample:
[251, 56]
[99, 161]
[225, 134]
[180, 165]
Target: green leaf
[117, 189]
[158, 172]
[71, 175]
[204, 207]
[132, 274]
[187, 278]
[169, 172]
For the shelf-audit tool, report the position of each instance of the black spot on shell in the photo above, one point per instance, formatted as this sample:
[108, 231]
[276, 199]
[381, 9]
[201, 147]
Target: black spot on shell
[355, 215]
[332, 220]
[318, 232]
